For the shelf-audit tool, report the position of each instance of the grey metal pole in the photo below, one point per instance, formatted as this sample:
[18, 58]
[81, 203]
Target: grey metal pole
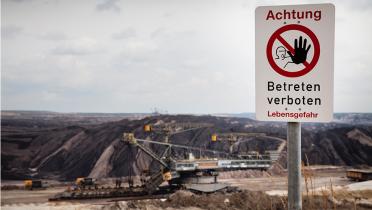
[294, 165]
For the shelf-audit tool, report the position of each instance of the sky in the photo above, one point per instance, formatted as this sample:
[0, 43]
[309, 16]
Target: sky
[179, 56]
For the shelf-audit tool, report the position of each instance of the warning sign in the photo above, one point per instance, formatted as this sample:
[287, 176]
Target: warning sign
[294, 63]
[299, 47]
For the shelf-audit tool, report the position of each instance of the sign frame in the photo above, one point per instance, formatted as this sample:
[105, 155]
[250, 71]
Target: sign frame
[308, 104]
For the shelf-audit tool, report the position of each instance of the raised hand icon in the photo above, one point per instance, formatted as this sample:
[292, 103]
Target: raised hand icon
[300, 51]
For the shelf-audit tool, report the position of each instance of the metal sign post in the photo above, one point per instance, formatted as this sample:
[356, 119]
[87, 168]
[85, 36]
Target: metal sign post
[294, 165]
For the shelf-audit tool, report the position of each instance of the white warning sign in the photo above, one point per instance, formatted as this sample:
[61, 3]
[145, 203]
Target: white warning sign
[294, 63]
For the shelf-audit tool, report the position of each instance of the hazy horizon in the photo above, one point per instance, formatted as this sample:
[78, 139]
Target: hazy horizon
[175, 113]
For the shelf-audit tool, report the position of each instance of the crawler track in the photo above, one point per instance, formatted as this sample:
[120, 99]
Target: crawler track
[144, 197]
[106, 193]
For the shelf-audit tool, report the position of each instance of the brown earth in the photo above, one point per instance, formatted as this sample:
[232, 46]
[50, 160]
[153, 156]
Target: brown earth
[249, 200]
[252, 196]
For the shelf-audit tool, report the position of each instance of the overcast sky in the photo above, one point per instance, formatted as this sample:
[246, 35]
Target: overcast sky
[183, 56]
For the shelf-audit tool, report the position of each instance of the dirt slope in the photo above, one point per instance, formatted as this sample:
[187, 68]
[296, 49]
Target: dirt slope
[67, 152]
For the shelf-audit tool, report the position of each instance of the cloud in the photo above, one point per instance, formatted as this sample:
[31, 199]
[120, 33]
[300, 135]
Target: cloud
[10, 31]
[158, 32]
[73, 59]
[83, 46]
[125, 34]
[19, 1]
[108, 5]
[54, 36]
[360, 5]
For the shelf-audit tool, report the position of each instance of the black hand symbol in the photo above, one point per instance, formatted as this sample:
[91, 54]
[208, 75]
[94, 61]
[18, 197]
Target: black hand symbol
[300, 51]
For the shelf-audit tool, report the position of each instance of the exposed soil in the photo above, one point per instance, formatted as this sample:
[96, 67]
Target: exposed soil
[250, 200]
[257, 193]
[49, 148]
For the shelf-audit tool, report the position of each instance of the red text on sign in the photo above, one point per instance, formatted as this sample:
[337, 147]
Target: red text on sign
[293, 15]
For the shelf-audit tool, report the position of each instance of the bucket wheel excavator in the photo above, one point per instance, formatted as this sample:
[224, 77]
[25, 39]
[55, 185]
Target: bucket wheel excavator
[195, 174]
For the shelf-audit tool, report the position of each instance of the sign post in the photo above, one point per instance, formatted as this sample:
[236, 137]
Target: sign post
[294, 165]
[294, 58]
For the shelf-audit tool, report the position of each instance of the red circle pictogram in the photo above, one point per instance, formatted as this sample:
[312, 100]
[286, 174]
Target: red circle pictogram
[277, 35]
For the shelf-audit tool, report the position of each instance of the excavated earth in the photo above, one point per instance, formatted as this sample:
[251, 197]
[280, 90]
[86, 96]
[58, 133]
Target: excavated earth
[64, 149]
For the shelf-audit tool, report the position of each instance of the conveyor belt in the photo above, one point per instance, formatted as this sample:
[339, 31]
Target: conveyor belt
[183, 146]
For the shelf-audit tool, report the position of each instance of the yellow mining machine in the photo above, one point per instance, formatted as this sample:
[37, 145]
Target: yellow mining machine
[30, 184]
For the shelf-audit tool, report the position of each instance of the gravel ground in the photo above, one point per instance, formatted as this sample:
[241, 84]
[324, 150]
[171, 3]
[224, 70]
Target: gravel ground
[350, 192]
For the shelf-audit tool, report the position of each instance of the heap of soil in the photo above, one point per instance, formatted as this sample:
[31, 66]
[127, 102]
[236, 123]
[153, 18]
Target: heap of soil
[246, 200]
[39, 148]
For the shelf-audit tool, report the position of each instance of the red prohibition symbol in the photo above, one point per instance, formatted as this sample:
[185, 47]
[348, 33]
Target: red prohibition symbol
[277, 36]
